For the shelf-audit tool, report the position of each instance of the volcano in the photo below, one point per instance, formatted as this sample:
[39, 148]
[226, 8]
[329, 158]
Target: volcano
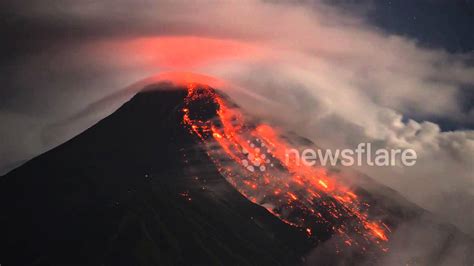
[182, 176]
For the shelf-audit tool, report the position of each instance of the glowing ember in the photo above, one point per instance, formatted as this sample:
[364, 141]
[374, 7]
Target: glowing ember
[252, 157]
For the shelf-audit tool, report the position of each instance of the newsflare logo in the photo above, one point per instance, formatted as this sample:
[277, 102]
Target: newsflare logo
[363, 154]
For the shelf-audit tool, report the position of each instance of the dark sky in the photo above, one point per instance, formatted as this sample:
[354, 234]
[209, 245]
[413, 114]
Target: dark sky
[434, 23]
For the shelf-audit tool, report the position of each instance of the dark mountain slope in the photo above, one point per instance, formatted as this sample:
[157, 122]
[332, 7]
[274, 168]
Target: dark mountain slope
[123, 193]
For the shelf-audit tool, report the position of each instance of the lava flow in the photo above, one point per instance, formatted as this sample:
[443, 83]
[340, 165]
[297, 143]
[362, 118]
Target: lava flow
[252, 157]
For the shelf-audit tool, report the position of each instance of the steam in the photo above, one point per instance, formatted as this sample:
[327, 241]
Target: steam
[315, 70]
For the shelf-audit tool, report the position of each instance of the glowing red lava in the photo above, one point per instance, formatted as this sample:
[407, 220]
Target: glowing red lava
[252, 157]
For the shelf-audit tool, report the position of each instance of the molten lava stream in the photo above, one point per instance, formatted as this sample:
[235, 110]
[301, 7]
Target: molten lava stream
[252, 157]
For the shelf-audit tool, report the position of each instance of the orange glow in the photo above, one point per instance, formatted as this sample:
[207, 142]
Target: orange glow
[321, 182]
[377, 231]
[292, 196]
[180, 52]
[252, 157]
